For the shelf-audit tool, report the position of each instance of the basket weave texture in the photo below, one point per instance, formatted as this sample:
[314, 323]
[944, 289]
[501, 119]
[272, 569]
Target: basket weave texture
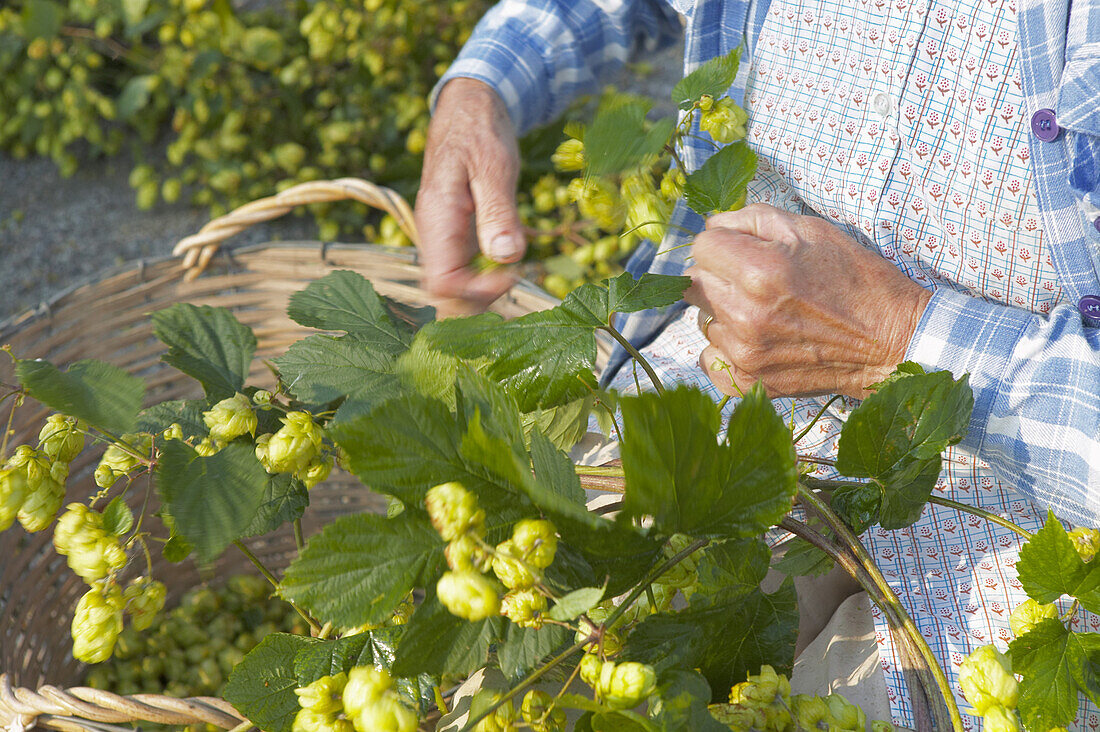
[108, 319]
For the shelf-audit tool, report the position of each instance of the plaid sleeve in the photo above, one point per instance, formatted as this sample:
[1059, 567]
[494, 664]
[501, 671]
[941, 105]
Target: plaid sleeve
[539, 55]
[1036, 384]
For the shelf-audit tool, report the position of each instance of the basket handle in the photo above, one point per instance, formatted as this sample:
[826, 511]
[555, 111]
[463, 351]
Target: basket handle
[198, 249]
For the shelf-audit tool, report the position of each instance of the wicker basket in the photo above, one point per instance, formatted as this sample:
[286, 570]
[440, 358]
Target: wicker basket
[108, 319]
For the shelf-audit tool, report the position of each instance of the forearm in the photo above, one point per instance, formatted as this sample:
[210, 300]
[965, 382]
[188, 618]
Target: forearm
[539, 55]
[1036, 384]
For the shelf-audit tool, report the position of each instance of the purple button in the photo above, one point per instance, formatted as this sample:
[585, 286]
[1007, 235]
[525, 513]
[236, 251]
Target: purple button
[1045, 125]
[1096, 223]
[1090, 306]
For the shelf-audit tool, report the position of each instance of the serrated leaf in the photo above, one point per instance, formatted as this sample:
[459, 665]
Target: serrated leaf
[436, 642]
[360, 567]
[320, 369]
[285, 499]
[731, 569]
[715, 77]
[1050, 567]
[478, 397]
[261, 686]
[804, 559]
[858, 505]
[1055, 664]
[611, 551]
[328, 657]
[563, 425]
[102, 395]
[690, 482]
[411, 443]
[571, 606]
[720, 183]
[212, 500]
[684, 696]
[620, 720]
[730, 627]
[725, 639]
[523, 649]
[618, 139]
[117, 517]
[176, 549]
[554, 470]
[209, 344]
[186, 413]
[371, 648]
[546, 358]
[895, 438]
[428, 372]
[345, 300]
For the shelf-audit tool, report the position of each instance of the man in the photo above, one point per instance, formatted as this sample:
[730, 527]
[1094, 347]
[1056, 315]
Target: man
[932, 179]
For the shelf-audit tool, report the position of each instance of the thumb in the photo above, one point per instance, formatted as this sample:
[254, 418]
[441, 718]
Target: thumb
[499, 231]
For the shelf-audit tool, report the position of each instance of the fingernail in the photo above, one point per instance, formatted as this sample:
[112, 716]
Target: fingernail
[503, 247]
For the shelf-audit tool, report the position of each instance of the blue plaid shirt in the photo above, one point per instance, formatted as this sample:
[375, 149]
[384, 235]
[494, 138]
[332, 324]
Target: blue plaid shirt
[1036, 379]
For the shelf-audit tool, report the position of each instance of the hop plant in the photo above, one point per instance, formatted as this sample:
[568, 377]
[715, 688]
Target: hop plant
[524, 607]
[764, 688]
[453, 510]
[683, 574]
[1086, 542]
[13, 491]
[230, 418]
[466, 554]
[569, 156]
[599, 201]
[987, 681]
[609, 643]
[1028, 613]
[364, 685]
[90, 551]
[724, 120]
[672, 184]
[590, 667]
[509, 567]
[61, 438]
[468, 595]
[845, 715]
[316, 471]
[1001, 719]
[144, 599]
[627, 684]
[43, 486]
[502, 719]
[387, 714]
[97, 623]
[324, 696]
[646, 212]
[118, 461]
[293, 447]
[537, 540]
[539, 711]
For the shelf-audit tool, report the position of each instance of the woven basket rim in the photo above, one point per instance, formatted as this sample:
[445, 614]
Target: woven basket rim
[13, 323]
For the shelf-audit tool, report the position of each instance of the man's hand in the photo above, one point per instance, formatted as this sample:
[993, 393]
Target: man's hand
[468, 197]
[798, 304]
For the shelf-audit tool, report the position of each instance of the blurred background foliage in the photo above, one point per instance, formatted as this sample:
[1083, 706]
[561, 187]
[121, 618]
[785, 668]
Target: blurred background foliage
[219, 104]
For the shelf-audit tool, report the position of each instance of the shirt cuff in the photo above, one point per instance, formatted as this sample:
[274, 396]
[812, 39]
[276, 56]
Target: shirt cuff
[967, 335]
[514, 68]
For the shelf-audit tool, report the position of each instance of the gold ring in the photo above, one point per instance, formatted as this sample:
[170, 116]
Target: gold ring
[705, 327]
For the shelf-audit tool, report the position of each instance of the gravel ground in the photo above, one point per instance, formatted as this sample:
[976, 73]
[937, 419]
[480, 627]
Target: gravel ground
[57, 232]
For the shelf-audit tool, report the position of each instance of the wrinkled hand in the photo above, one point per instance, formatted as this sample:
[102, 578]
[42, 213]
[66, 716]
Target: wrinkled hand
[467, 197]
[798, 304]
